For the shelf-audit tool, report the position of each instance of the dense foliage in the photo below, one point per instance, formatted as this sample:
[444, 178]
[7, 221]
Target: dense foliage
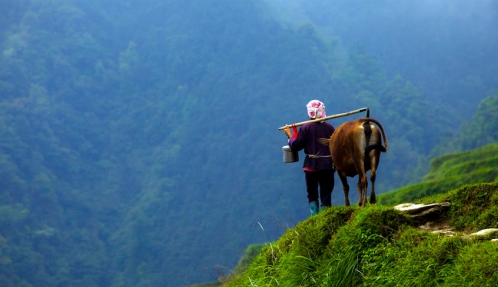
[481, 130]
[378, 246]
[448, 172]
[139, 143]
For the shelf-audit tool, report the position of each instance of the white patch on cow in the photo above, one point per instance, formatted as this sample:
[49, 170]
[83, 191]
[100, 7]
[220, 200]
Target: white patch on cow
[362, 144]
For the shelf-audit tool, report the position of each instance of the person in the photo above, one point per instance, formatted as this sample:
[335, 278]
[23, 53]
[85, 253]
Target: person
[317, 166]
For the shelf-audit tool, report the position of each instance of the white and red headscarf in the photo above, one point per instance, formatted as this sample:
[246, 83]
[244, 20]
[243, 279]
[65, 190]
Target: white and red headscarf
[316, 109]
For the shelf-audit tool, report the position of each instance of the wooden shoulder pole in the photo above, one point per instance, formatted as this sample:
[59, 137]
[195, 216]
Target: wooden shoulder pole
[330, 117]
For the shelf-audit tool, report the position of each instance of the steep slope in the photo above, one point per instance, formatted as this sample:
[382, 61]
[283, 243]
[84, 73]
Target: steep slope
[379, 246]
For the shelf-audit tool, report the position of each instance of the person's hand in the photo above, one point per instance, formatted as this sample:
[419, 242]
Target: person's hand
[287, 131]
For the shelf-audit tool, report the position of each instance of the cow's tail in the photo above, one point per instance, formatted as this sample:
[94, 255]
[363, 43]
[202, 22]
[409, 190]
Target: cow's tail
[382, 148]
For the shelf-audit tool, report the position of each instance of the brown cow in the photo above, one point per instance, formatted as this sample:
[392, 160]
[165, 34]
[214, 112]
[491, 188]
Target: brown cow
[355, 148]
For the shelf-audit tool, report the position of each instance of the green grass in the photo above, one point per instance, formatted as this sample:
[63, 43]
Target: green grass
[378, 246]
[448, 172]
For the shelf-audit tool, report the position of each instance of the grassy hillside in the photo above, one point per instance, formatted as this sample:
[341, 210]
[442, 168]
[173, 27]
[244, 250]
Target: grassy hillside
[350, 246]
[448, 172]
[379, 246]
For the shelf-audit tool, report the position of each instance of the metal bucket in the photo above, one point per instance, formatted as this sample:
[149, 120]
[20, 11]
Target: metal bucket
[290, 155]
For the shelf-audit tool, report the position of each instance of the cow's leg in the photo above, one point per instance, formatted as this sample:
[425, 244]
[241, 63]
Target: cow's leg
[372, 179]
[345, 187]
[373, 175]
[361, 190]
[362, 184]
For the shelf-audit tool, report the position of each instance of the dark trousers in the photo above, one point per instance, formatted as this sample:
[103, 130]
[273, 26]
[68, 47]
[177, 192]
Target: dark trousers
[324, 179]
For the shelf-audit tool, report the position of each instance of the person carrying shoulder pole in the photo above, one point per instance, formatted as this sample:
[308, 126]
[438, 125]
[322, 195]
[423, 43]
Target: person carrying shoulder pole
[317, 166]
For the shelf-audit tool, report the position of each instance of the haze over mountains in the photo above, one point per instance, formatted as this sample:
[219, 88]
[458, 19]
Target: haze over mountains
[139, 142]
[446, 46]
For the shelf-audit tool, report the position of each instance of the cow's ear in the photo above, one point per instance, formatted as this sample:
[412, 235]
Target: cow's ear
[324, 141]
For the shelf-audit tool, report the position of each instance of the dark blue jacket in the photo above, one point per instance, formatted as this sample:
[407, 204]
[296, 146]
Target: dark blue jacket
[307, 139]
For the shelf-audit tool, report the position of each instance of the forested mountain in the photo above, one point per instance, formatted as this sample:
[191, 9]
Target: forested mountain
[445, 46]
[139, 142]
[481, 130]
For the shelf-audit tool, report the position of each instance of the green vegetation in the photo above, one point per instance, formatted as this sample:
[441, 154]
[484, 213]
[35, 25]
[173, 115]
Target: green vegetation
[448, 172]
[481, 130]
[378, 246]
[138, 140]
